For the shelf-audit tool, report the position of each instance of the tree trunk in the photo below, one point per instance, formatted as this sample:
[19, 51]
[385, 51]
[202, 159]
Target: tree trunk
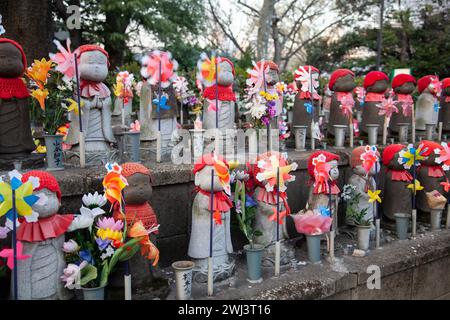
[30, 23]
[266, 15]
[276, 42]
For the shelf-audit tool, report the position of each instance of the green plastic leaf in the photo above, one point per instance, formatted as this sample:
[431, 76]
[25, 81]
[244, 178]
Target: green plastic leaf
[88, 273]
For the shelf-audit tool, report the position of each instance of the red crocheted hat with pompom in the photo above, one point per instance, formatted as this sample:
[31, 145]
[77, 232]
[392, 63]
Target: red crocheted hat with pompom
[401, 79]
[272, 65]
[207, 160]
[355, 159]
[92, 47]
[19, 47]
[130, 168]
[445, 83]
[374, 76]
[328, 157]
[339, 73]
[390, 151]
[428, 147]
[46, 181]
[424, 82]
[222, 59]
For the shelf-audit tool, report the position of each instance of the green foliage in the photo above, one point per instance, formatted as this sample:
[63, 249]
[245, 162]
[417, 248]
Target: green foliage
[88, 273]
[246, 215]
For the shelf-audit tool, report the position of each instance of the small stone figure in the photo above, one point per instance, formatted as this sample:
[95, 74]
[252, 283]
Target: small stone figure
[430, 174]
[403, 86]
[324, 192]
[396, 196]
[40, 276]
[96, 107]
[427, 106]
[199, 243]
[342, 82]
[376, 83]
[363, 181]
[137, 197]
[303, 110]
[226, 97]
[444, 111]
[15, 132]
[265, 175]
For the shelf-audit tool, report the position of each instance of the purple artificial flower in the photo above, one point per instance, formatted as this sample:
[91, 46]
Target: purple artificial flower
[265, 120]
[102, 244]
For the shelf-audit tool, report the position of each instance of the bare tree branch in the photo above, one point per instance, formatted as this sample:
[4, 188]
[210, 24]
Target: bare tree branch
[253, 10]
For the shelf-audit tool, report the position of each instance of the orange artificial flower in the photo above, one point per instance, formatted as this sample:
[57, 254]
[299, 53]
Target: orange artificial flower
[39, 71]
[40, 95]
[148, 249]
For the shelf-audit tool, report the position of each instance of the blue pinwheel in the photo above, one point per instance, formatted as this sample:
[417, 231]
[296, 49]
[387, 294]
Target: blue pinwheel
[324, 211]
[308, 106]
[161, 105]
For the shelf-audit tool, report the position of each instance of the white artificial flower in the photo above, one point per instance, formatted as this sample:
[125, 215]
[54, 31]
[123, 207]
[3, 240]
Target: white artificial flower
[33, 217]
[95, 212]
[70, 246]
[81, 221]
[109, 252]
[96, 199]
[72, 275]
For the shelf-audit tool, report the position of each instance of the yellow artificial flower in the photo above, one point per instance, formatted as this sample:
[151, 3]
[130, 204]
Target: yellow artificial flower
[109, 234]
[74, 106]
[374, 196]
[262, 93]
[118, 89]
[233, 164]
[39, 71]
[40, 95]
[417, 186]
[39, 147]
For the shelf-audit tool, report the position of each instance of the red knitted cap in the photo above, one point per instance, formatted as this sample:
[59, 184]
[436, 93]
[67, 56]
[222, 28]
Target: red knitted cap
[355, 160]
[92, 47]
[18, 46]
[328, 157]
[130, 168]
[374, 76]
[445, 83]
[401, 79]
[222, 59]
[207, 160]
[390, 151]
[429, 147]
[424, 82]
[46, 181]
[272, 65]
[339, 73]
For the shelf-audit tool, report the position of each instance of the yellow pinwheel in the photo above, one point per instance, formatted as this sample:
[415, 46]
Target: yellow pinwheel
[24, 197]
[113, 183]
[374, 196]
[74, 106]
[415, 187]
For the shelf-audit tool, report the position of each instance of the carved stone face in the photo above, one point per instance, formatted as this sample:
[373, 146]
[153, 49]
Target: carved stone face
[406, 88]
[345, 84]
[273, 77]
[139, 189]
[203, 180]
[11, 65]
[225, 75]
[93, 66]
[48, 205]
[334, 171]
[379, 86]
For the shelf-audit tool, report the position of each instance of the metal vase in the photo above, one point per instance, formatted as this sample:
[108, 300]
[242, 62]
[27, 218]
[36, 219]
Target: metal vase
[197, 142]
[402, 225]
[290, 116]
[339, 136]
[363, 237]
[430, 128]
[313, 242]
[372, 132]
[53, 144]
[403, 130]
[254, 257]
[94, 293]
[300, 138]
[435, 219]
[133, 143]
[183, 279]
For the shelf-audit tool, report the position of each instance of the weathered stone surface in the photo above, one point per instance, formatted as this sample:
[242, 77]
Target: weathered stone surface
[431, 280]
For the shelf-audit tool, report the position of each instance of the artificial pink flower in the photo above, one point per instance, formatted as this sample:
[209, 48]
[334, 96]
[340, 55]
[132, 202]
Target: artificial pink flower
[110, 223]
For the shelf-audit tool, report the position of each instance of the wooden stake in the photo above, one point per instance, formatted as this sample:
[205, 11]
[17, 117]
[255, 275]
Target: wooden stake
[277, 245]
[211, 233]
[413, 125]
[350, 127]
[414, 222]
[158, 146]
[440, 131]
[127, 281]
[81, 135]
[385, 125]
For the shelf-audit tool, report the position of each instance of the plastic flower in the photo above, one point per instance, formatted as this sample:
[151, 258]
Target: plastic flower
[411, 156]
[95, 200]
[387, 107]
[369, 157]
[347, 104]
[109, 234]
[82, 221]
[40, 95]
[123, 88]
[85, 255]
[416, 186]
[70, 246]
[39, 71]
[374, 195]
[109, 252]
[2, 29]
[39, 148]
[72, 275]
[135, 126]
[110, 223]
[73, 106]
[207, 69]
[148, 249]
[444, 156]
[102, 244]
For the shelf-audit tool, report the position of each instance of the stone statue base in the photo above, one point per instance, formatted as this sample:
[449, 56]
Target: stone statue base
[10, 162]
[223, 268]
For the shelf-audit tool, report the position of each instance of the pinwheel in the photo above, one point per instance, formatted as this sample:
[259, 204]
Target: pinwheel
[321, 174]
[387, 107]
[444, 156]
[123, 88]
[360, 94]
[159, 63]
[416, 186]
[113, 183]
[446, 185]
[163, 105]
[411, 157]
[309, 81]
[223, 173]
[9, 255]
[369, 158]
[374, 195]
[347, 104]
[257, 75]
[268, 173]
[64, 60]
[207, 68]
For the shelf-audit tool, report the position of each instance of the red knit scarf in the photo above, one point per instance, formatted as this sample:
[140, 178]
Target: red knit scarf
[45, 228]
[433, 171]
[13, 88]
[400, 175]
[221, 203]
[135, 212]
[374, 97]
[225, 93]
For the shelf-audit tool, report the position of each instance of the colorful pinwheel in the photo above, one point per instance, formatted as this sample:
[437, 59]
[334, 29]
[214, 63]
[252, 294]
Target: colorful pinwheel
[161, 105]
[255, 82]
[207, 69]
[305, 77]
[387, 107]
[347, 104]
[412, 156]
[123, 88]
[9, 255]
[269, 168]
[444, 156]
[321, 173]
[369, 157]
[113, 183]
[156, 63]
[64, 60]
[223, 173]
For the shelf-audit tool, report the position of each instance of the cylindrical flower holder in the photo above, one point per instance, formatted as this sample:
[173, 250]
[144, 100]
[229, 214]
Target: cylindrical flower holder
[53, 144]
[403, 130]
[372, 131]
[300, 138]
[290, 116]
[339, 136]
[430, 128]
[183, 279]
[133, 142]
[435, 219]
[402, 225]
[313, 242]
[363, 237]
[254, 258]
[197, 142]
